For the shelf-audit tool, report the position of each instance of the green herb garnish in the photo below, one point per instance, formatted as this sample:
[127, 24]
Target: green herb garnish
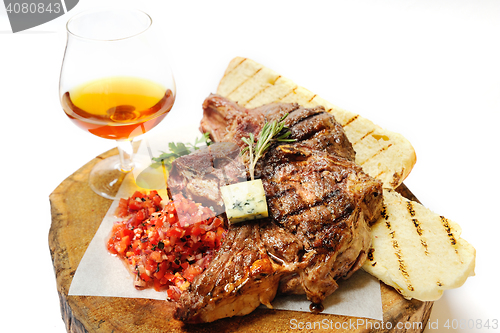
[178, 149]
[271, 132]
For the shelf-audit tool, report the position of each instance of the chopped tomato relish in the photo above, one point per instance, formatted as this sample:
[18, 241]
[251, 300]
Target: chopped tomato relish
[165, 247]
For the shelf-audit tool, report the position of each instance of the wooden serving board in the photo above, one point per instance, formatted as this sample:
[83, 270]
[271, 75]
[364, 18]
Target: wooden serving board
[76, 215]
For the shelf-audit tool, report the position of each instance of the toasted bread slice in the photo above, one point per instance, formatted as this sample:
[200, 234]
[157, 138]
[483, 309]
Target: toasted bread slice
[416, 251]
[385, 155]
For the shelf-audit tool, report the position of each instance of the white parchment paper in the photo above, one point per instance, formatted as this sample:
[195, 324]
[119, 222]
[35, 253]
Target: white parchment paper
[101, 274]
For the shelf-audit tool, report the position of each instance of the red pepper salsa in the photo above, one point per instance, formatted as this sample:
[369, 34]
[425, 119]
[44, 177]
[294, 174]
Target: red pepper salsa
[165, 247]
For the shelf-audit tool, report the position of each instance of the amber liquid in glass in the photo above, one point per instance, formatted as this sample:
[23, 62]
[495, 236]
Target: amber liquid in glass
[118, 107]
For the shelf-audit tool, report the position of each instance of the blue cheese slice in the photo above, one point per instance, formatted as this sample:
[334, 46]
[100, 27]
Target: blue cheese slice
[245, 201]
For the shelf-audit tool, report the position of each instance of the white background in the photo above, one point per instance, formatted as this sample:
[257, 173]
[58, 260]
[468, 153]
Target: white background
[427, 69]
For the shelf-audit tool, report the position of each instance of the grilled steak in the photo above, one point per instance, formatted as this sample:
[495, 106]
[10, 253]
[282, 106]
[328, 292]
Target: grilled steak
[320, 204]
[225, 120]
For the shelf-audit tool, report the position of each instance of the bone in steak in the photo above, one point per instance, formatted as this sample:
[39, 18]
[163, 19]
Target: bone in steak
[320, 204]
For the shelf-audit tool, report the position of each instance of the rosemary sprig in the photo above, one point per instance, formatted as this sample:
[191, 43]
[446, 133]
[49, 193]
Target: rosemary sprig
[271, 132]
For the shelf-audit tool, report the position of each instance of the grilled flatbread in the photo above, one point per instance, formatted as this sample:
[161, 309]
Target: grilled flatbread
[416, 251]
[382, 154]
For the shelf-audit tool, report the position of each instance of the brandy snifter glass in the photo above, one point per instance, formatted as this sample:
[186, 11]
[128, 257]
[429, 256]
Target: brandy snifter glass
[115, 83]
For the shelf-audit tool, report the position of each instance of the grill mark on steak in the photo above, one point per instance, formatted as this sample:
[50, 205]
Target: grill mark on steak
[316, 128]
[321, 202]
[299, 115]
[320, 206]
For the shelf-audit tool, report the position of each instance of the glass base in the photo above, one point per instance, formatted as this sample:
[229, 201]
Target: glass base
[106, 177]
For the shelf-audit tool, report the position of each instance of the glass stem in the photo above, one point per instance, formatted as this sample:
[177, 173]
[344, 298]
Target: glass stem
[126, 151]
